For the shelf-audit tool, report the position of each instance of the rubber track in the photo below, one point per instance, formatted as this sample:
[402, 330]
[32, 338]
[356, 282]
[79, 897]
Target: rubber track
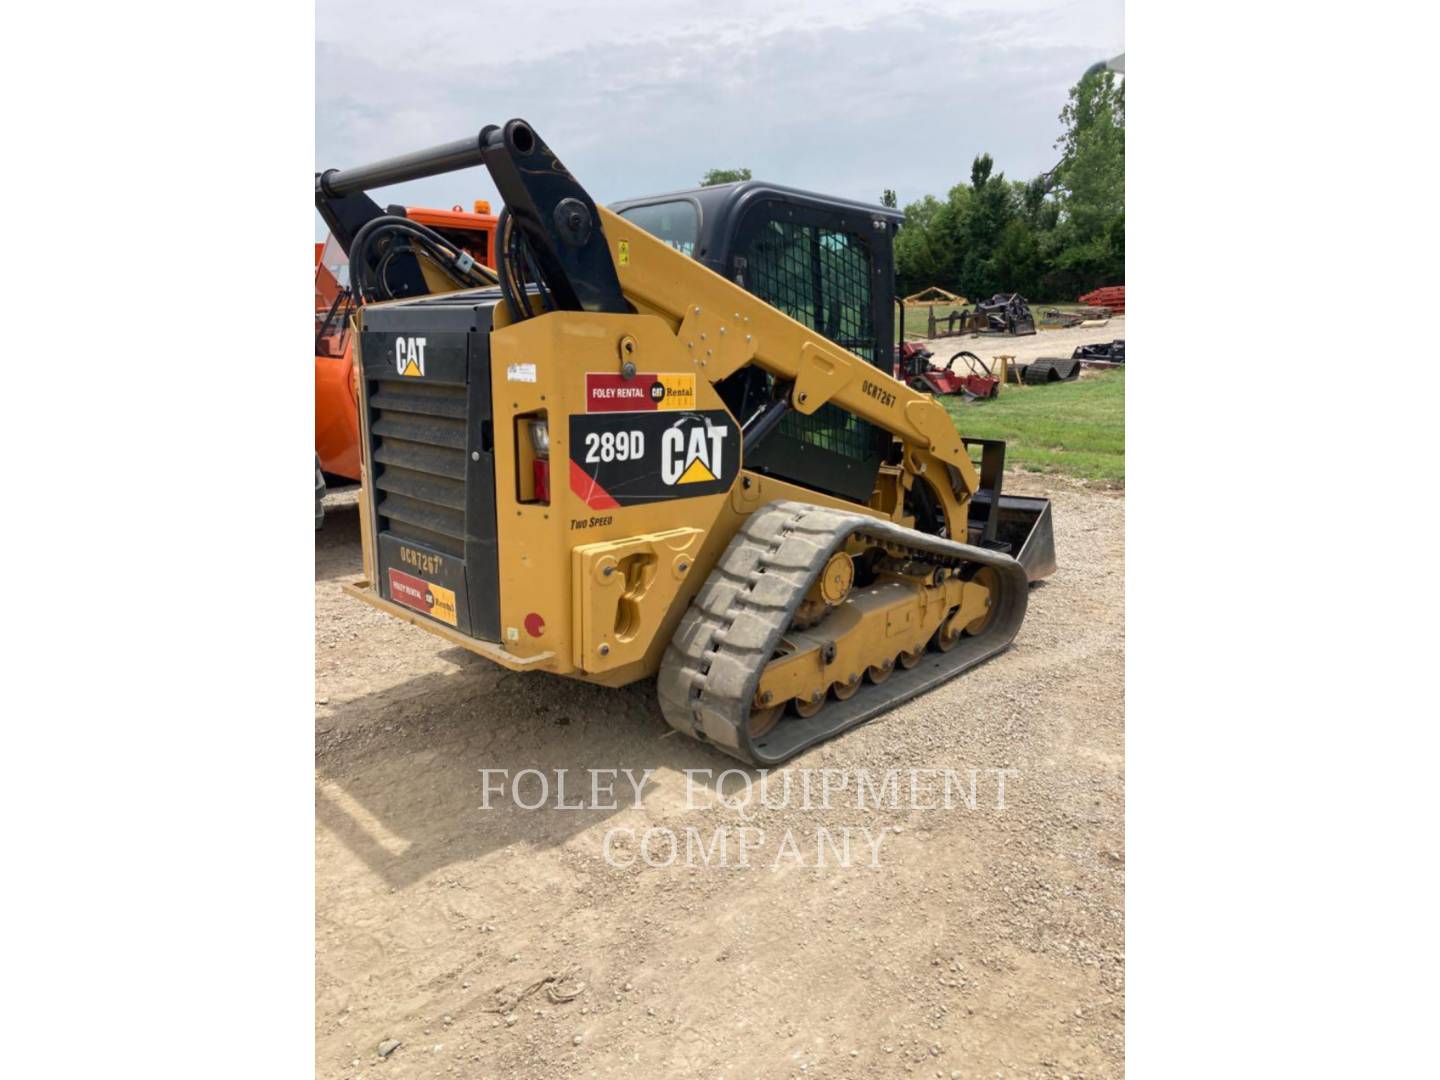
[730, 632]
[1051, 369]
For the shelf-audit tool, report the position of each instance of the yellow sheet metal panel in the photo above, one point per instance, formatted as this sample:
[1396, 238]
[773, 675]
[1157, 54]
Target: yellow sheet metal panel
[654, 454]
[623, 592]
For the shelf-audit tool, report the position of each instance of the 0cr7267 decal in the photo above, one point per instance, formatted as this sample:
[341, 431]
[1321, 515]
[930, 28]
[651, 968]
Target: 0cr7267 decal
[623, 459]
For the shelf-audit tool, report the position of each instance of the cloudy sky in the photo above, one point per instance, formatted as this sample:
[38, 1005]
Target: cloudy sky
[847, 97]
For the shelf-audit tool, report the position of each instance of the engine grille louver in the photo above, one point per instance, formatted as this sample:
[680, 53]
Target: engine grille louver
[419, 455]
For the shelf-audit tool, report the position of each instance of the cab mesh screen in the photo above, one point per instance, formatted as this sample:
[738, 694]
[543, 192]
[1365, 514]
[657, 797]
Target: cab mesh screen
[821, 278]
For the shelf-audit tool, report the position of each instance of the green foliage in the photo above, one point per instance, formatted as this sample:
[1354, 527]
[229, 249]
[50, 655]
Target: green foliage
[1055, 236]
[723, 176]
[918, 245]
[888, 198]
[991, 212]
[1017, 263]
[1072, 428]
[1091, 180]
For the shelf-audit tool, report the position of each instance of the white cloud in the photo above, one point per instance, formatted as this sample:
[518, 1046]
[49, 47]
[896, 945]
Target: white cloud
[645, 96]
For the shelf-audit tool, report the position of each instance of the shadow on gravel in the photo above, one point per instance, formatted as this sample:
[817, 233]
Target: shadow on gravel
[400, 779]
[337, 543]
[402, 785]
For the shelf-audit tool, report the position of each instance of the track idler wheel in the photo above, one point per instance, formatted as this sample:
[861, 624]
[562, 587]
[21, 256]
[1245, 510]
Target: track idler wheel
[987, 578]
[762, 720]
[878, 673]
[844, 691]
[909, 659]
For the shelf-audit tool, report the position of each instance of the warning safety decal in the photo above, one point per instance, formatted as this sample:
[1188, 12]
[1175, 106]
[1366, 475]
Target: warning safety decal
[631, 458]
[608, 392]
[434, 600]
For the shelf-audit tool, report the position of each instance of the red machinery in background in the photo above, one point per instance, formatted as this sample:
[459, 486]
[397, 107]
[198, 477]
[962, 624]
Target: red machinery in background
[977, 380]
[1111, 296]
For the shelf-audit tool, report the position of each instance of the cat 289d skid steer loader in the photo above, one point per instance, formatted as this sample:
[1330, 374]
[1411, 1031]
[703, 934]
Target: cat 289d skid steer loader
[668, 443]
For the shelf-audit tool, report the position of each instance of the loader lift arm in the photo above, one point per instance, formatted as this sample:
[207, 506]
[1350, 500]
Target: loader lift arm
[575, 250]
[412, 258]
[725, 328]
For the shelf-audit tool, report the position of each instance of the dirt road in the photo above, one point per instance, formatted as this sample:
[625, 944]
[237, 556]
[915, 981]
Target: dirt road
[507, 942]
[1059, 343]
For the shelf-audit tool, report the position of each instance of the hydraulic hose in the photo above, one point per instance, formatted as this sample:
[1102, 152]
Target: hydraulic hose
[518, 269]
[443, 248]
[507, 270]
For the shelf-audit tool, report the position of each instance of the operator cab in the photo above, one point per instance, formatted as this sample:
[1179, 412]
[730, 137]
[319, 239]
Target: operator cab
[827, 263]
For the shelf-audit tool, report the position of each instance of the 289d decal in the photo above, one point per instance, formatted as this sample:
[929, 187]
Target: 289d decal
[623, 459]
[603, 446]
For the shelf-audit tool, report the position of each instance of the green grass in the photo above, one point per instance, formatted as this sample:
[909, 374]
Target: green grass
[917, 319]
[1073, 428]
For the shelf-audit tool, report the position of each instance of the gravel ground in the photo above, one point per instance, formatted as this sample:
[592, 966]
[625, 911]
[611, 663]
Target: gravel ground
[1060, 343]
[501, 942]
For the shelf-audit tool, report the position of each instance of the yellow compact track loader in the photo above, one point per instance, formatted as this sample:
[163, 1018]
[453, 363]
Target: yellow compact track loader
[669, 444]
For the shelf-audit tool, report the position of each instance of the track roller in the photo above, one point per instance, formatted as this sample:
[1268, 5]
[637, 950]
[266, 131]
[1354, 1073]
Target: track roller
[878, 673]
[808, 708]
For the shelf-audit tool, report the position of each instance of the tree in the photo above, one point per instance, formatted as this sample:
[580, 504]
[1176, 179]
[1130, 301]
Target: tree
[980, 170]
[946, 240]
[1032, 202]
[887, 198]
[918, 257]
[991, 211]
[1018, 263]
[1091, 182]
[1052, 237]
[723, 176]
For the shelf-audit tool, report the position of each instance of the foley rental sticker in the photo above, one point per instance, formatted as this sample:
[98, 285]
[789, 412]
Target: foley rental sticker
[434, 600]
[607, 392]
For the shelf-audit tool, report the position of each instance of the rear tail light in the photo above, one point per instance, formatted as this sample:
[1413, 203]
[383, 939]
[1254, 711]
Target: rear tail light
[540, 440]
[532, 458]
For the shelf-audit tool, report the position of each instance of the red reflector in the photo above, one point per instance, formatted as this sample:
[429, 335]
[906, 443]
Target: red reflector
[542, 480]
